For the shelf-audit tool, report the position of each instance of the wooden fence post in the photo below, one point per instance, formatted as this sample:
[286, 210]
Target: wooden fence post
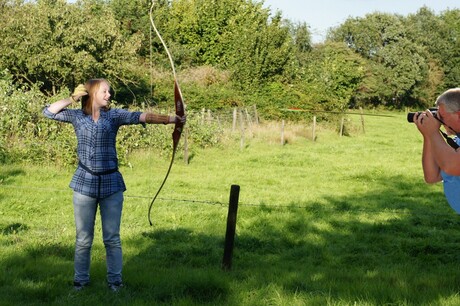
[203, 111]
[248, 117]
[282, 132]
[202, 116]
[241, 130]
[342, 122]
[313, 133]
[234, 120]
[362, 119]
[231, 227]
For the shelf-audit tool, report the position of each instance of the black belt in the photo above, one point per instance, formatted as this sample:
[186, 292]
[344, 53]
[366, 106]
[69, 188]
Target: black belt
[110, 171]
[98, 174]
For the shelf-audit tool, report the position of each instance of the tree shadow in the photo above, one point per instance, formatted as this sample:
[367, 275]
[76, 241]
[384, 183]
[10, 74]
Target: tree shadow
[350, 255]
[35, 274]
[181, 265]
[8, 174]
[13, 228]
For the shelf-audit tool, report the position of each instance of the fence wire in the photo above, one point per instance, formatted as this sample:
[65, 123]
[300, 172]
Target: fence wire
[312, 209]
[125, 195]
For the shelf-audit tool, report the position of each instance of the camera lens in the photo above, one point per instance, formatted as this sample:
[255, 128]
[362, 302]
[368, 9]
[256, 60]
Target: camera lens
[410, 117]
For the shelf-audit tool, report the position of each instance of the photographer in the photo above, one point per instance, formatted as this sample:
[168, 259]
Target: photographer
[437, 154]
[441, 161]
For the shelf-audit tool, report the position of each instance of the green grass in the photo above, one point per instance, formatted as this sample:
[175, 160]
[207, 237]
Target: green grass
[340, 221]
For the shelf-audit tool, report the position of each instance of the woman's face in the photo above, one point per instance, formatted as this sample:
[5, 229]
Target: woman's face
[102, 95]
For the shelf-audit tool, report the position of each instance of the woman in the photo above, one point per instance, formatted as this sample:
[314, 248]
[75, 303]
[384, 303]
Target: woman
[97, 180]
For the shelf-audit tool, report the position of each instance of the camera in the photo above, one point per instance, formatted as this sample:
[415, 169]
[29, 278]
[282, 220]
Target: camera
[410, 116]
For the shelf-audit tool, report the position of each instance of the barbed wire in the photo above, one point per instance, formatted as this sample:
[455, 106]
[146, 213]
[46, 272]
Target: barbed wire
[126, 195]
[313, 209]
[177, 200]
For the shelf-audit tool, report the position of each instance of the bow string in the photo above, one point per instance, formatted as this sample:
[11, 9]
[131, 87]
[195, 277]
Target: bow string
[179, 106]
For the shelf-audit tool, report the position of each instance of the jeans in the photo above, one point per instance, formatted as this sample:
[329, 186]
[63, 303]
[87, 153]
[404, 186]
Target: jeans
[85, 209]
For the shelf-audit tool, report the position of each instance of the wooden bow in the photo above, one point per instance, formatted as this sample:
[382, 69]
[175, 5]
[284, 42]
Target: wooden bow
[180, 110]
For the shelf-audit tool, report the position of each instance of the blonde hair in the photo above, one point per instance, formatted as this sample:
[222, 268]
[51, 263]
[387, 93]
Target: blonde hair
[92, 86]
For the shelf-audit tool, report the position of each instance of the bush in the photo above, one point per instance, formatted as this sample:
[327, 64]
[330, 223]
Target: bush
[26, 135]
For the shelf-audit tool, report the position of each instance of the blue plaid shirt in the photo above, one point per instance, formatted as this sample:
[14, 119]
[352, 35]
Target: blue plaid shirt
[96, 149]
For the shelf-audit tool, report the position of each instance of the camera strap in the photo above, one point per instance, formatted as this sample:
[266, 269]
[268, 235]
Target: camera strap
[449, 140]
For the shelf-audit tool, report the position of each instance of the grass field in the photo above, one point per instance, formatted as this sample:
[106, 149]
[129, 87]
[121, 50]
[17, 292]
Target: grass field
[340, 221]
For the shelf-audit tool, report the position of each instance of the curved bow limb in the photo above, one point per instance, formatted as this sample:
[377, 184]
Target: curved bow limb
[180, 111]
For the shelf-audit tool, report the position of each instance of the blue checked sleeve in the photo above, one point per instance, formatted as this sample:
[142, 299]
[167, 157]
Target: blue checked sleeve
[65, 115]
[125, 117]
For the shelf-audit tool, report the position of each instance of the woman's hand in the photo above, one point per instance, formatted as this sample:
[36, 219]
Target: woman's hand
[178, 119]
[79, 92]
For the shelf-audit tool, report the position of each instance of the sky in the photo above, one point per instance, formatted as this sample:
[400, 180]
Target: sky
[320, 15]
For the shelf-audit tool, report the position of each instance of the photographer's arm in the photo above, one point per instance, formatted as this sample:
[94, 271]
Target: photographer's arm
[444, 156]
[431, 170]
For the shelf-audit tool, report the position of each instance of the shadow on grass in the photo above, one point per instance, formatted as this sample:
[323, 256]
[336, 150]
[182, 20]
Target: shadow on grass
[399, 244]
[178, 265]
[13, 228]
[35, 274]
[7, 175]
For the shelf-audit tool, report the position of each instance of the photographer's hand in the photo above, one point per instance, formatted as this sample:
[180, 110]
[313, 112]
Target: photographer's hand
[426, 123]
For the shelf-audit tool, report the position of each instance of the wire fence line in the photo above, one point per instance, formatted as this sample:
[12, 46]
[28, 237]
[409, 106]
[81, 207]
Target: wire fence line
[178, 200]
[312, 209]
[126, 195]
[191, 201]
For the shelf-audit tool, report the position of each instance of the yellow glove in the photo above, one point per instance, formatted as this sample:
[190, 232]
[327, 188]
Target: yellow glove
[79, 92]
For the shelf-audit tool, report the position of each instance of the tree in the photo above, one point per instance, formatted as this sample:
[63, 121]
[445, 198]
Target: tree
[427, 30]
[302, 46]
[451, 35]
[333, 75]
[63, 44]
[133, 19]
[261, 50]
[235, 35]
[382, 38]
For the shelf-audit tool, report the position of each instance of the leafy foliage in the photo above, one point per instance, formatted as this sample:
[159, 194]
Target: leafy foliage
[228, 53]
[333, 76]
[58, 45]
[235, 35]
[19, 117]
[382, 39]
